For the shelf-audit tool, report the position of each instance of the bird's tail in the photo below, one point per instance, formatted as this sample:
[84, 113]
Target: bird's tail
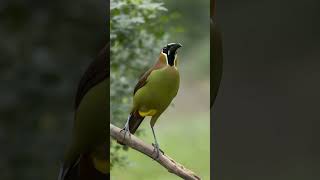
[83, 169]
[134, 122]
[67, 172]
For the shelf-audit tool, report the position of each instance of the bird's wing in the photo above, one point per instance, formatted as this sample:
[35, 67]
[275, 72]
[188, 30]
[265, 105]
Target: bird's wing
[69, 172]
[142, 81]
[85, 168]
[96, 72]
[135, 118]
[143, 78]
[216, 61]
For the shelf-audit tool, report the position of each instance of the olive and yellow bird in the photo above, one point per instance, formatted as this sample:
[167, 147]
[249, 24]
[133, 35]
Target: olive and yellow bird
[87, 154]
[154, 91]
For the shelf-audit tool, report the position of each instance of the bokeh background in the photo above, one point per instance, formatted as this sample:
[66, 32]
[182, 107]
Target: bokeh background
[183, 131]
[45, 47]
[266, 116]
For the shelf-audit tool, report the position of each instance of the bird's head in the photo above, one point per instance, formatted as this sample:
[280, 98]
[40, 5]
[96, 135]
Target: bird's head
[170, 53]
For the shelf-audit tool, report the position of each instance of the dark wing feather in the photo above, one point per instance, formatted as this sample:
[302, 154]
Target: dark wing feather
[216, 61]
[97, 71]
[142, 81]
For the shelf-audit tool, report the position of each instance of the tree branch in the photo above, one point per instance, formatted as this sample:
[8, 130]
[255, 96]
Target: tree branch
[164, 160]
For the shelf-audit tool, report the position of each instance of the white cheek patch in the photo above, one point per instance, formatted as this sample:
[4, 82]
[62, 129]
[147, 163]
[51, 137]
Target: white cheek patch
[165, 55]
[175, 61]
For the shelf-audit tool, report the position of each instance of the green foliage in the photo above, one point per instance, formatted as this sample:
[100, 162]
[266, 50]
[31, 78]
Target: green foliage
[137, 33]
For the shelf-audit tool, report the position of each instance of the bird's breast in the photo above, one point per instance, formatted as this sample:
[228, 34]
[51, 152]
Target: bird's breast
[161, 87]
[164, 80]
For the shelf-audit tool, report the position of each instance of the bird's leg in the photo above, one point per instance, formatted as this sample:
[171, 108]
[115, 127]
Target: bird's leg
[156, 145]
[126, 129]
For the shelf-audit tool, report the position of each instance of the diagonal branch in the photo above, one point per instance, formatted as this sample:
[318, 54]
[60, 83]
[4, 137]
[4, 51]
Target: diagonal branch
[164, 160]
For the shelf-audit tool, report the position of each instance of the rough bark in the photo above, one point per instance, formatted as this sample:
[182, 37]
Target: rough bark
[164, 160]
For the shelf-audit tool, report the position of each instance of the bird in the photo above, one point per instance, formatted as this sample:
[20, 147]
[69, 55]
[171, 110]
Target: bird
[216, 57]
[154, 91]
[87, 154]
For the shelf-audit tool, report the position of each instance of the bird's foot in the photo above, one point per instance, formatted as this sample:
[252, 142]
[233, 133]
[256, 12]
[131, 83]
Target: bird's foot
[157, 150]
[126, 130]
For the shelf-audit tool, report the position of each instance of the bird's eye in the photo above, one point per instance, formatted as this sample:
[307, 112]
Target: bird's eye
[165, 50]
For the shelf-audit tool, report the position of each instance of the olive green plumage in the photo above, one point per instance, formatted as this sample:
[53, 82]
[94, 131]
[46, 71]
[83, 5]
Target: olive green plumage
[84, 155]
[156, 95]
[155, 90]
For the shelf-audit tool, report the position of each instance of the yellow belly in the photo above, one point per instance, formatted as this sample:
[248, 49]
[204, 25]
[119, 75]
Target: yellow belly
[101, 165]
[100, 159]
[150, 112]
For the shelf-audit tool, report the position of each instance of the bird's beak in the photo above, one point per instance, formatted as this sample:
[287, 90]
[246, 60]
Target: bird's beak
[174, 47]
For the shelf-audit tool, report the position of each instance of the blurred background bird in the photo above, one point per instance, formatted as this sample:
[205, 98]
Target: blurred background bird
[87, 154]
[215, 56]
